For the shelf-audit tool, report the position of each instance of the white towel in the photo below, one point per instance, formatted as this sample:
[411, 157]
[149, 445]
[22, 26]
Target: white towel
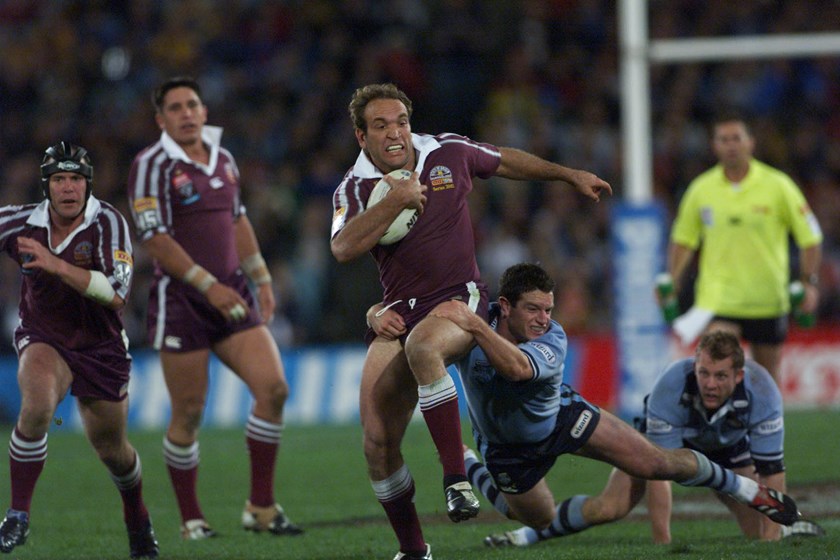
[691, 324]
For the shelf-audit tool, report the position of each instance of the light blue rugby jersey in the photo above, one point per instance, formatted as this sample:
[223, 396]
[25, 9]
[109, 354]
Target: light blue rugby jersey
[754, 411]
[504, 411]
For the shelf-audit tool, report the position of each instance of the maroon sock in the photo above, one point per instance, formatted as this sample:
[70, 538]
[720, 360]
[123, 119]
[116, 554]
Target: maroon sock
[26, 461]
[402, 514]
[182, 463]
[263, 457]
[444, 423]
[130, 485]
[263, 441]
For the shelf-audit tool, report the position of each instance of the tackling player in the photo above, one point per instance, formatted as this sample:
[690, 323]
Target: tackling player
[524, 417]
[716, 403]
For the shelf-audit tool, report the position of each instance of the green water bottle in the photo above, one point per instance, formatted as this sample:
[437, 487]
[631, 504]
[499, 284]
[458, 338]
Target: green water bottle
[797, 296]
[667, 297]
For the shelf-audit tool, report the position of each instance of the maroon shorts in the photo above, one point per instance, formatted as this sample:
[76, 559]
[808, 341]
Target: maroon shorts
[99, 372]
[414, 310]
[180, 319]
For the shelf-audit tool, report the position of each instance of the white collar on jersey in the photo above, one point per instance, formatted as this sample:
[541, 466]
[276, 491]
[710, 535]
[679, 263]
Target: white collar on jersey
[210, 135]
[423, 143]
[40, 217]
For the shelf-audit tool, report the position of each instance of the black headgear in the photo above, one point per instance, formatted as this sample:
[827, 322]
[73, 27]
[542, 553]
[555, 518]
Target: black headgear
[66, 157]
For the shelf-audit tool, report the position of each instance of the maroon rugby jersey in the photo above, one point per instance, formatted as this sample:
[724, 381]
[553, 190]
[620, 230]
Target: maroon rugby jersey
[48, 306]
[439, 251]
[194, 203]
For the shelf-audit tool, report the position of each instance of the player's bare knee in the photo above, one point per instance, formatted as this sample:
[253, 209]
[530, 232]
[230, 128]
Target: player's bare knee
[269, 400]
[34, 423]
[187, 415]
[275, 395]
[419, 352]
[113, 451]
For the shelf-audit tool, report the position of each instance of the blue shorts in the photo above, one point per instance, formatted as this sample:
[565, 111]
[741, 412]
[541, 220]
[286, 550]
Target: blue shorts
[183, 320]
[517, 468]
[414, 310]
[100, 372]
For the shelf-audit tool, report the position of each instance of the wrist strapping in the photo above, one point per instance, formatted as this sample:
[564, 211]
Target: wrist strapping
[256, 269]
[99, 289]
[198, 277]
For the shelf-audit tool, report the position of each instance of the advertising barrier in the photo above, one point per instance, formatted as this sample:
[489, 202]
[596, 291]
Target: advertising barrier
[324, 382]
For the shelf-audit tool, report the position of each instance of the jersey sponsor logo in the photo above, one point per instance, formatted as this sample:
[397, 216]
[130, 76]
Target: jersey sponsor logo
[580, 426]
[83, 254]
[770, 427]
[123, 256]
[547, 353]
[441, 178]
[180, 179]
[184, 186]
[145, 203]
[706, 216]
[217, 183]
[23, 343]
[657, 426]
[761, 209]
[172, 341]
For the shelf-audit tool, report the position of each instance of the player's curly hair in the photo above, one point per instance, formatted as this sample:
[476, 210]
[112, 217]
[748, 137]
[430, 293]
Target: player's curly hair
[364, 95]
[522, 278]
[721, 345]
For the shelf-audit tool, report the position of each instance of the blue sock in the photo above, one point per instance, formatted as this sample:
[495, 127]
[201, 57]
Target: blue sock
[480, 478]
[712, 475]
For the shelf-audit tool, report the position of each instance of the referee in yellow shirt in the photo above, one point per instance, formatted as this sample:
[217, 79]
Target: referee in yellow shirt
[739, 214]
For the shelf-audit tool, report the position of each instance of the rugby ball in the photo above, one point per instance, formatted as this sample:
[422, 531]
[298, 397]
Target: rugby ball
[406, 219]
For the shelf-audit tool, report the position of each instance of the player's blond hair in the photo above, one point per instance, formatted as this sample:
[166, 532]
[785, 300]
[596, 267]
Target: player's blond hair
[721, 345]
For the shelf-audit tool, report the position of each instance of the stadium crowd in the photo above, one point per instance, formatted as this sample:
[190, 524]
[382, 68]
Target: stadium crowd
[539, 75]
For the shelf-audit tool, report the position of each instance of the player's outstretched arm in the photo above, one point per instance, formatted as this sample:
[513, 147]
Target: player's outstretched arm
[518, 165]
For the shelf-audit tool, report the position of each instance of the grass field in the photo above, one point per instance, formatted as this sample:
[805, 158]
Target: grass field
[323, 486]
